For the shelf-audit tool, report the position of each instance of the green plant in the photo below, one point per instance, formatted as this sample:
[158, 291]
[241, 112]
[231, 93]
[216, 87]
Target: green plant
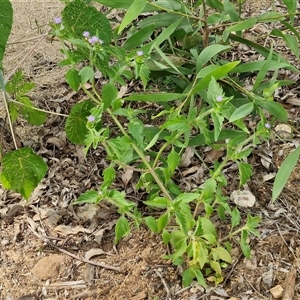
[209, 106]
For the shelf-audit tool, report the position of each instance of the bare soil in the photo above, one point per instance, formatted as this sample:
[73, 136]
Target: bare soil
[50, 249]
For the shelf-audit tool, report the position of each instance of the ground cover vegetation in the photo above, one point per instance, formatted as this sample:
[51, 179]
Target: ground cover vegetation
[150, 132]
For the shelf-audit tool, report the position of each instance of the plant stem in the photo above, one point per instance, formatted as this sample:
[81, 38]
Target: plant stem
[206, 29]
[142, 156]
[2, 84]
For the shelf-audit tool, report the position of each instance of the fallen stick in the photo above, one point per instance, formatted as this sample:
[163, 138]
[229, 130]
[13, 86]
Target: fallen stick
[289, 290]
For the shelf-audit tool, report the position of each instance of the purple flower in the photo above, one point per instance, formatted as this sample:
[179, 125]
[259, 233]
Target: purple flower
[86, 34]
[57, 20]
[140, 53]
[93, 40]
[91, 119]
[268, 125]
[219, 98]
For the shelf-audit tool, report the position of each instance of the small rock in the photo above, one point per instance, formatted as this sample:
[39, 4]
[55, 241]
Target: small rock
[276, 291]
[242, 198]
[48, 267]
[284, 131]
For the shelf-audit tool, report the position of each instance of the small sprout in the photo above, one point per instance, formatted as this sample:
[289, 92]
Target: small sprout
[57, 20]
[91, 119]
[86, 34]
[219, 98]
[268, 125]
[140, 53]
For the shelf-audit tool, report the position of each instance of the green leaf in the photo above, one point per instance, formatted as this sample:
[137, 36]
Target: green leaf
[225, 134]
[270, 16]
[274, 108]
[249, 23]
[122, 229]
[86, 74]
[186, 197]
[162, 221]
[243, 243]
[215, 4]
[230, 10]
[88, 197]
[6, 20]
[209, 189]
[151, 223]
[132, 13]
[75, 127]
[264, 70]
[178, 241]
[252, 223]
[187, 277]
[245, 171]
[218, 120]
[163, 36]
[73, 79]
[116, 3]
[191, 39]
[13, 111]
[136, 129]
[290, 41]
[153, 141]
[262, 50]
[284, 172]
[166, 236]
[109, 94]
[158, 202]
[200, 277]
[79, 17]
[218, 73]
[157, 97]
[118, 199]
[178, 124]
[253, 66]
[166, 59]
[242, 112]
[33, 116]
[22, 170]
[138, 38]
[173, 161]
[109, 175]
[221, 253]
[205, 226]
[235, 217]
[292, 8]
[291, 28]
[160, 20]
[210, 238]
[208, 53]
[159, 4]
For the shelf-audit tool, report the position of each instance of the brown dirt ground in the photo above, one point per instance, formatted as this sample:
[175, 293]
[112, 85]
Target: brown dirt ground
[80, 261]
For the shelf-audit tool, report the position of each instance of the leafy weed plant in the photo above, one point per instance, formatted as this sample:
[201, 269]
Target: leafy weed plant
[185, 42]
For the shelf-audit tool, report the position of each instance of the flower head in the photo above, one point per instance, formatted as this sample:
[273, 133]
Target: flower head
[101, 42]
[57, 20]
[268, 125]
[86, 34]
[93, 40]
[140, 53]
[219, 98]
[91, 119]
